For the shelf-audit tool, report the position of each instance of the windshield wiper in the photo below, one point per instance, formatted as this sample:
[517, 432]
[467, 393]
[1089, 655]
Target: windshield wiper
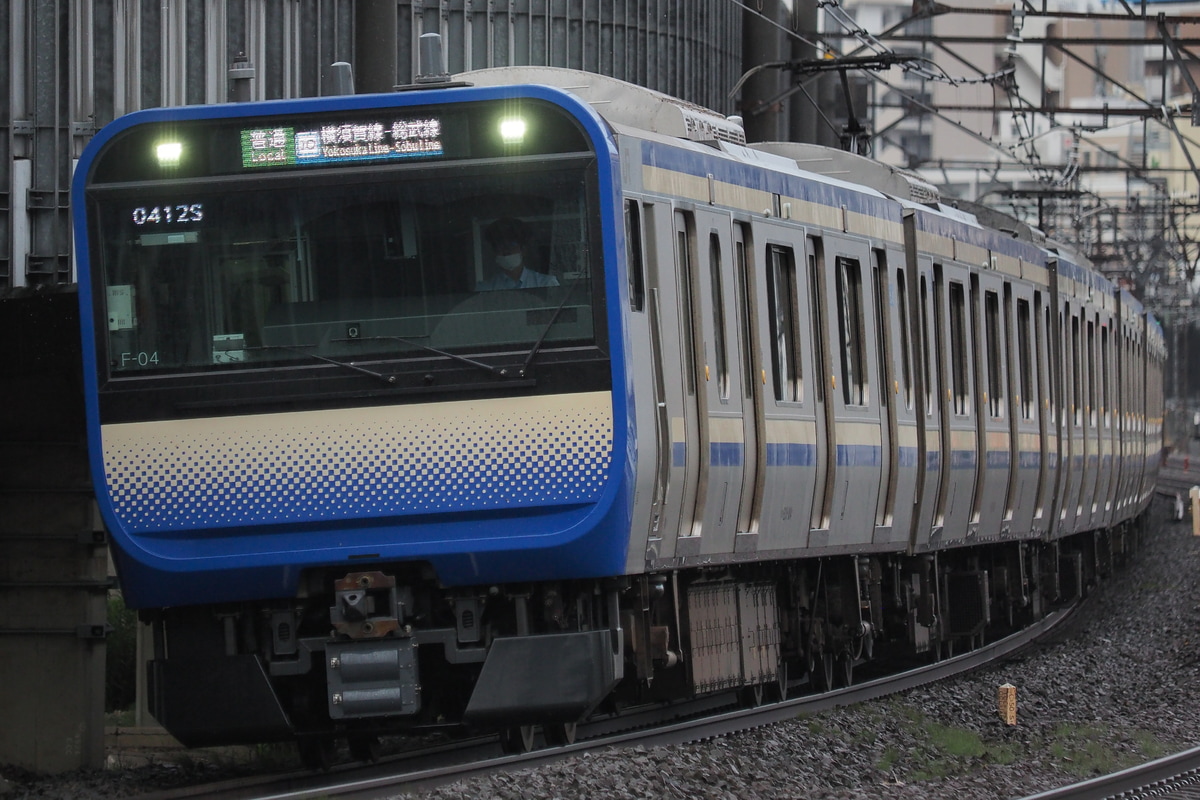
[388, 379]
[499, 372]
[533, 351]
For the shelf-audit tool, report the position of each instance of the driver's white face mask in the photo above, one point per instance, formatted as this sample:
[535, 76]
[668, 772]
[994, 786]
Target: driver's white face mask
[510, 261]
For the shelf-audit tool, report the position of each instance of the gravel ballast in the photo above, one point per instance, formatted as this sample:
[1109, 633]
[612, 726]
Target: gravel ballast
[1119, 689]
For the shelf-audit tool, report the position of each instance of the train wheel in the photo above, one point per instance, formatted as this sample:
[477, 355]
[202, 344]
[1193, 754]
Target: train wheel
[559, 734]
[845, 669]
[820, 671]
[781, 683]
[517, 739]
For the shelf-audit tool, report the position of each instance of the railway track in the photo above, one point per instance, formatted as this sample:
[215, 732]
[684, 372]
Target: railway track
[1176, 777]
[715, 717]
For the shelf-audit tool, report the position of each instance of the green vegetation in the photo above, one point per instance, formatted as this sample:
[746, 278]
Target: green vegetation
[120, 666]
[1084, 750]
[1096, 749]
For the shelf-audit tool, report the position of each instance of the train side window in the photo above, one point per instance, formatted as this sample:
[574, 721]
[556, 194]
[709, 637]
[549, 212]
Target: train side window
[851, 328]
[960, 386]
[1025, 403]
[905, 346]
[995, 362]
[720, 354]
[784, 311]
[634, 248]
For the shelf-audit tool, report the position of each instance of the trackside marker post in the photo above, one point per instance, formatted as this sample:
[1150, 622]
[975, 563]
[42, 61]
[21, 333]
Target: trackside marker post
[1006, 703]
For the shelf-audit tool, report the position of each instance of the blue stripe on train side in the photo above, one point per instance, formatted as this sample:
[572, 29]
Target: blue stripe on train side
[858, 455]
[726, 454]
[754, 176]
[791, 454]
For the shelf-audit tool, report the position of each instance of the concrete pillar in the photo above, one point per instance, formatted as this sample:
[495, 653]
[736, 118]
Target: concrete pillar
[53, 558]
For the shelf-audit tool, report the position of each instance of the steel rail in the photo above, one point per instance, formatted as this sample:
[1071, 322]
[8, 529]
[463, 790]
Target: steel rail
[1162, 778]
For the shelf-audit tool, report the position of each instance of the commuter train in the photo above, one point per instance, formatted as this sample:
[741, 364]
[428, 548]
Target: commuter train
[768, 410]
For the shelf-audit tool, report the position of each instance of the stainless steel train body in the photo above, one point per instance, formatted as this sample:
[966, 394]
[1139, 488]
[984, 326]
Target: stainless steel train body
[792, 410]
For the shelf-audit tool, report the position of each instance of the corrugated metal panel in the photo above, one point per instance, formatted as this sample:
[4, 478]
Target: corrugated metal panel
[689, 50]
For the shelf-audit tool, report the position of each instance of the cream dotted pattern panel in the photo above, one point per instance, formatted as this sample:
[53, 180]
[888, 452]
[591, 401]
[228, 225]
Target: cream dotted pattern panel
[356, 463]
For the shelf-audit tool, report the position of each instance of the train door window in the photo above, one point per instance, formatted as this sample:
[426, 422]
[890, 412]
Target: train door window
[1105, 405]
[995, 360]
[744, 295]
[851, 328]
[905, 345]
[960, 386]
[1051, 385]
[1092, 409]
[1025, 353]
[720, 354]
[816, 313]
[634, 248]
[784, 309]
[883, 330]
[683, 261]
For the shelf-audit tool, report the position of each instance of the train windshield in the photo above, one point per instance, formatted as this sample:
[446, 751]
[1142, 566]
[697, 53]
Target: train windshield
[424, 256]
[477, 260]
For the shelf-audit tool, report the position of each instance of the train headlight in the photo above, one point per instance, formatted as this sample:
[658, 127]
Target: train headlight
[169, 153]
[512, 130]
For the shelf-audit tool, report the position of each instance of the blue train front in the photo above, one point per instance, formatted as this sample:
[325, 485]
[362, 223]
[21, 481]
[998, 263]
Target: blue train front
[322, 391]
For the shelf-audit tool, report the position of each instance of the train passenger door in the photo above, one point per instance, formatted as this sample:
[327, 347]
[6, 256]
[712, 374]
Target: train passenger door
[1091, 440]
[825, 454]
[668, 304]
[994, 434]
[752, 384]
[1073, 455]
[889, 388]
[960, 446]
[688, 442]
[719, 384]
[653, 519]
[854, 394]
[789, 386]
[1025, 409]
[908, 468]
[1045, 414]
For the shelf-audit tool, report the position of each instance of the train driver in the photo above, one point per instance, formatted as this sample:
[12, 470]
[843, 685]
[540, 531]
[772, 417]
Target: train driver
[508, 237]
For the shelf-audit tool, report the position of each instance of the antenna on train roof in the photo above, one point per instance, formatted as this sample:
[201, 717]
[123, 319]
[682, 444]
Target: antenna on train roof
[341, 79]
[431, 66]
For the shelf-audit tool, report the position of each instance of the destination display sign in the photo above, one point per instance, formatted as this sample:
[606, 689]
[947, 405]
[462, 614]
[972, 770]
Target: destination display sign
[329, 143]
